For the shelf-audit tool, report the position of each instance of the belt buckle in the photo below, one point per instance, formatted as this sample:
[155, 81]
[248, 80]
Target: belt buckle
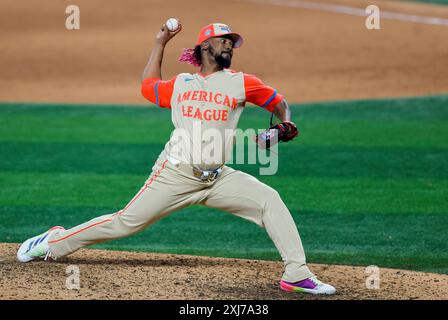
[209, 176]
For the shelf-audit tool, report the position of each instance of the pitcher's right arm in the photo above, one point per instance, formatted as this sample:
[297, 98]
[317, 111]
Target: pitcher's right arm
[153, 68]
[153, 88]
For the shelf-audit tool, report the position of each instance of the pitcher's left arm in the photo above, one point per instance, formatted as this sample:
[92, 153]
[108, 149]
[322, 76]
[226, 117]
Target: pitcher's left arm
[262, 95]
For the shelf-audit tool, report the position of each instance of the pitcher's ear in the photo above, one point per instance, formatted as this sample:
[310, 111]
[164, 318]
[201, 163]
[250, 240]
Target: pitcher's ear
[205, 45]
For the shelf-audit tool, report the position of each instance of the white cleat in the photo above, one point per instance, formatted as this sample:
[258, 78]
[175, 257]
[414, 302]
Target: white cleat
[36, 247]
[311, 285]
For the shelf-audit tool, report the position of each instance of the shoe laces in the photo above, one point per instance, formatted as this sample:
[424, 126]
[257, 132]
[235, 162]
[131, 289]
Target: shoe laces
[49, 256]
[316, 281]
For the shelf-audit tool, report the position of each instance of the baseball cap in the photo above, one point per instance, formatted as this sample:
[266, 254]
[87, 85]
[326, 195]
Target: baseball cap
[218, 30]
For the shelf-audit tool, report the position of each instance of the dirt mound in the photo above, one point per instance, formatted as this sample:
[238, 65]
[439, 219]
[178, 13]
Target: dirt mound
[127, 275]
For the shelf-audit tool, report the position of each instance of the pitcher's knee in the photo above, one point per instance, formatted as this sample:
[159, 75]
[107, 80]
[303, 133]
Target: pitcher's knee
[272, 196]
[273, 201]
[266, 198]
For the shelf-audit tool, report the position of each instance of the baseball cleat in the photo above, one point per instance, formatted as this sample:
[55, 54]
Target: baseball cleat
[311, 285]
[36, 247]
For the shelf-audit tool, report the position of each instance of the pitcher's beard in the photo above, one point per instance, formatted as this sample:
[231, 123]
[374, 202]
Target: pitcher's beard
[220, 60]
[223, 62]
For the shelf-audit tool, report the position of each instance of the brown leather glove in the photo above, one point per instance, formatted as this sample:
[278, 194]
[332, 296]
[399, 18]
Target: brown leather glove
[283, 131]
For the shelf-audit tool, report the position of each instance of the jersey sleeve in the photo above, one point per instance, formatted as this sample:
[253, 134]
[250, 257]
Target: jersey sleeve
[260, 94]
[158, 91]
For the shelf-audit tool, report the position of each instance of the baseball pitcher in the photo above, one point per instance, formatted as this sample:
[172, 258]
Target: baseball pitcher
[184, 175]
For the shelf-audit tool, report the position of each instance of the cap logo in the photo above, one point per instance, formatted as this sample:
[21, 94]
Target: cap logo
[208, 32]
[225, 28]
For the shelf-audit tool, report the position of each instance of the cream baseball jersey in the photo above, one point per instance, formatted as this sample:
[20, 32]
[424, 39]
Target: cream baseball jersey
[205, 111]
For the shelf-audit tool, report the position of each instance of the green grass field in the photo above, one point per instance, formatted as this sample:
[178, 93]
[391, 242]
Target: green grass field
[367, 181]
[445, 2]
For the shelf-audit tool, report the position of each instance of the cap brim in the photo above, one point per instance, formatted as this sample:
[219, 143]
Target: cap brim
[237, 39]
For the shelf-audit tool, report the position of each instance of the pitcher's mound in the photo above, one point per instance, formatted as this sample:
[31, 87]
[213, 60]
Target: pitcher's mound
[127, 275]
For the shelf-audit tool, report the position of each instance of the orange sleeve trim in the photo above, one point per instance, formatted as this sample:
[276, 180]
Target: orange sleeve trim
[260, 94]
[158, 92]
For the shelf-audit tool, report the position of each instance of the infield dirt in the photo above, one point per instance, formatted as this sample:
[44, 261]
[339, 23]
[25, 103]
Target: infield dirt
[128, 275]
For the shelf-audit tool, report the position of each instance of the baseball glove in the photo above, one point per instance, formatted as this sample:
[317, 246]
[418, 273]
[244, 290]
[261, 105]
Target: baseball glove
[283, 131]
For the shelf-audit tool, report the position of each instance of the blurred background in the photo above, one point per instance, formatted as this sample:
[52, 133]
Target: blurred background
[307, 54]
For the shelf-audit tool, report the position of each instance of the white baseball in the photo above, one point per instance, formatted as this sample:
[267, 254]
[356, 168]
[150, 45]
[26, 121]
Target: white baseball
[172, 24]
